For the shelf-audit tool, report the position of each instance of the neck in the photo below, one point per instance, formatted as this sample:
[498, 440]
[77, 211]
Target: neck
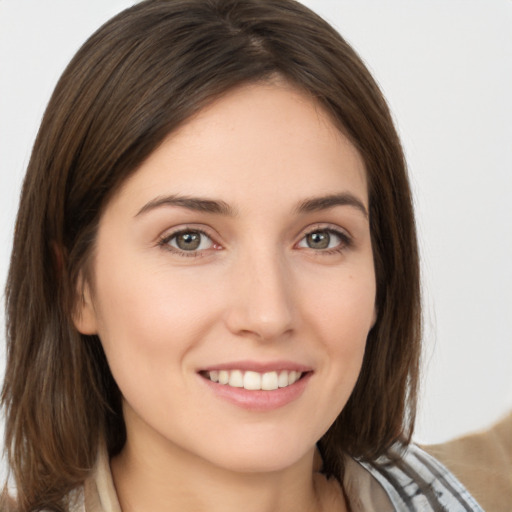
[161, 477]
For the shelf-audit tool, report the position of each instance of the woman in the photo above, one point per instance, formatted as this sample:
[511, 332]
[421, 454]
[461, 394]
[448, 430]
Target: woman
[213, 299]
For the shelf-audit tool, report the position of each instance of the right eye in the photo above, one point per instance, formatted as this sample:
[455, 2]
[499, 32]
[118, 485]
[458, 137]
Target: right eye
[188, 242]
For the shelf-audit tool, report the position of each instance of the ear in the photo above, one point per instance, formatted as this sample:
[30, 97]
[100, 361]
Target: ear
[84, 314]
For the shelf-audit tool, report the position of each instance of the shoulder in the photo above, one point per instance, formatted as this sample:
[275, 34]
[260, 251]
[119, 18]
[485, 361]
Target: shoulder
[483, 463]
[414, 480]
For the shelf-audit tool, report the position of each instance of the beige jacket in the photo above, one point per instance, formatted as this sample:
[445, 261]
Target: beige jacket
[483, 463]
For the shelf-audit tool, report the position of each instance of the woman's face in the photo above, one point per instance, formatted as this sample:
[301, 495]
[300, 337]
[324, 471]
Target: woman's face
[234, 261]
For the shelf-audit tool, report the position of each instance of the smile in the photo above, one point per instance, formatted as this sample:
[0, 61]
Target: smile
[257, 387]
[254, 381]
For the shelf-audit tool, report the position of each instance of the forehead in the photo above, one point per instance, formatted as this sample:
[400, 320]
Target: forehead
[257, 140]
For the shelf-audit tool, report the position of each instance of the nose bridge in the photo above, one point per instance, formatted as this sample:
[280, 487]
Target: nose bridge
[262, 293]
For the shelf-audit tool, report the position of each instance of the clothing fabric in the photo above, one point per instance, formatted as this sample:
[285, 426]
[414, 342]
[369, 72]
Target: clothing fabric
[482, 461]
[408, 481]
[416, 482]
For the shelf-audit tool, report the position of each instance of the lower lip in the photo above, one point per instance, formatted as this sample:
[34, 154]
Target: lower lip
[259, 400]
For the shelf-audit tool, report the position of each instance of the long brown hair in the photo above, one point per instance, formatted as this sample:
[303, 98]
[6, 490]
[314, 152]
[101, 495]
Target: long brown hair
[135, 80]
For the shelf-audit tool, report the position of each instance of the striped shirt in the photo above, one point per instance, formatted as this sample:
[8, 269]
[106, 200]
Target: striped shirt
[413, 481]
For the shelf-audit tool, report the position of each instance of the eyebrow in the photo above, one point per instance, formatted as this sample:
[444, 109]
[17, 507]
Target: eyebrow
[190, 203]
[330, 201]
[220, 207]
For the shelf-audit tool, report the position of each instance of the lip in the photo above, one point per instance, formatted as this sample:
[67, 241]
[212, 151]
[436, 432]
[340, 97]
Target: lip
[259, 400]
[260, 367]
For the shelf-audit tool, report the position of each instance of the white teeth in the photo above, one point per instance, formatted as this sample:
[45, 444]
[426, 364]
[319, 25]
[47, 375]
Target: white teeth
[254, 381]
[236, 379]
[269, 381]
[282, 380]
[223, 377]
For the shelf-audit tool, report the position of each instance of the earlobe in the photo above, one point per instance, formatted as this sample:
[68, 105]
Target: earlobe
[84, 315]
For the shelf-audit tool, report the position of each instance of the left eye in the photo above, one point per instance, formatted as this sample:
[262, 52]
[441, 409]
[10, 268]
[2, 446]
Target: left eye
[189, 241]
[321, 239]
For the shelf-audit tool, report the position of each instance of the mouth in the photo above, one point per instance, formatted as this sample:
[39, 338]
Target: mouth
[253, 380]
[255, 386]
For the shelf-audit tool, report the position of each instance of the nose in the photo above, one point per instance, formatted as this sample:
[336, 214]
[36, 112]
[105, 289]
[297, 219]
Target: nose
[262, 301]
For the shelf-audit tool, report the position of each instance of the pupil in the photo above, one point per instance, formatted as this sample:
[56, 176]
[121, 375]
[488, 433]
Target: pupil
[188, 241]
[318, 240]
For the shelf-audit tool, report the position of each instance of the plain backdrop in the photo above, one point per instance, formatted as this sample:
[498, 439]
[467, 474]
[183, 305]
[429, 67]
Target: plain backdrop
[445, 67]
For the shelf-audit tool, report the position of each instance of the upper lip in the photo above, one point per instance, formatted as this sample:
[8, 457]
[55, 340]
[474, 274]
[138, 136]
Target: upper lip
[260, 367]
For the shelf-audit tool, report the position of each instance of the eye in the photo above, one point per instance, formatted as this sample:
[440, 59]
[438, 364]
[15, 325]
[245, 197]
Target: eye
[188, 240]
[324, 240]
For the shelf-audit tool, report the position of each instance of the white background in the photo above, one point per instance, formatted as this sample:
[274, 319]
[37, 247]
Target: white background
[446, 68]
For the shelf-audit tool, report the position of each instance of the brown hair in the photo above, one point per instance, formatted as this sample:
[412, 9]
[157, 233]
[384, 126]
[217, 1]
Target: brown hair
[135, 80]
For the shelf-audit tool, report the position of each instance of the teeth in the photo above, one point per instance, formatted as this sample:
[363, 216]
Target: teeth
[283, 379]
[269, 381]
[255, 381]
[252, 380]
[236, 379]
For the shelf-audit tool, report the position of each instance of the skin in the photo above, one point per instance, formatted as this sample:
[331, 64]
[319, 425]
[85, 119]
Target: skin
[255, 290]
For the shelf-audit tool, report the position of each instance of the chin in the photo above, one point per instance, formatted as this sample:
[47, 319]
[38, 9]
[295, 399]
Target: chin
[261, 455]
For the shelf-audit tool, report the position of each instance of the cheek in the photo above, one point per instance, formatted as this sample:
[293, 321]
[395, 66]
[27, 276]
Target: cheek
[342, 316]
[148, 317]
[343, 307]
[149, 325]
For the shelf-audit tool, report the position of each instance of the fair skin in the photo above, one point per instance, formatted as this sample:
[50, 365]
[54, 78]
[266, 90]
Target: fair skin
[240, 250]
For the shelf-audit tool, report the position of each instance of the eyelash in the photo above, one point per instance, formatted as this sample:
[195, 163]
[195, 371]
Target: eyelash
[164, 242]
